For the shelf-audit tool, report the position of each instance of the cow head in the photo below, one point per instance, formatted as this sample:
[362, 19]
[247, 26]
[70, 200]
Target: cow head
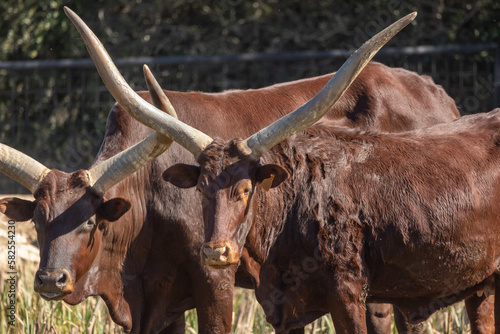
[228, 173]
[71, 213]
[226, 180]
[70, 219]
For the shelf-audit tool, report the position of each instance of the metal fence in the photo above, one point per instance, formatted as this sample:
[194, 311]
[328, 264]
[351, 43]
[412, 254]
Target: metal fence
[55, 111]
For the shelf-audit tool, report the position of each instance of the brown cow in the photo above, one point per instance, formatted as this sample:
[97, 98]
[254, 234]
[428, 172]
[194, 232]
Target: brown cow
[368, 116]
[155, 289]
[408, 218]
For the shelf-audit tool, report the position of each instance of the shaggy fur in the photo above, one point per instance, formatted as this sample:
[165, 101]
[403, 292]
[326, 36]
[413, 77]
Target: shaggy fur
[409, 219]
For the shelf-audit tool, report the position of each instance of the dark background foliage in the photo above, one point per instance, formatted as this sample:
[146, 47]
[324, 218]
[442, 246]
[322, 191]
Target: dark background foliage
[38, 29]
[57, 115]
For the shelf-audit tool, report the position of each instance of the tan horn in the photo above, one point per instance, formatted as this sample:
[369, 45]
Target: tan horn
[21, 168]
[190, 138]
[108, 173]
[314, 109]
[160, 100]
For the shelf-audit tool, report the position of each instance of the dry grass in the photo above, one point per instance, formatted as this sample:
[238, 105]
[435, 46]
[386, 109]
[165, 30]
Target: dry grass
[35, 315]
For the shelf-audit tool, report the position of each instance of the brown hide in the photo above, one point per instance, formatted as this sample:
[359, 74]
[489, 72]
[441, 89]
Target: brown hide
[408, 219]
[146, 263]
[381, 98]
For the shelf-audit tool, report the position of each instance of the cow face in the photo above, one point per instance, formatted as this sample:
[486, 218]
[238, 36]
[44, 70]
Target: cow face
[70, 220]
[226, 180]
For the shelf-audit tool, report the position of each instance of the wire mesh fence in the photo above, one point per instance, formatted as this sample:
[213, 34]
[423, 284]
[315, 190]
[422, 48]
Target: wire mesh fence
[55, 111]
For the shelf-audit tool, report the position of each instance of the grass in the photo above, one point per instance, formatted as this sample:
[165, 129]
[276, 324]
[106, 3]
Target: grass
[35, 315]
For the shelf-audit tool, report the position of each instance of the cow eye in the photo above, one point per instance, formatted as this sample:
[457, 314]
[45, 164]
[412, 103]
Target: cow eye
[91, 222]
[202, 193]
[35, 224]
[246, 192]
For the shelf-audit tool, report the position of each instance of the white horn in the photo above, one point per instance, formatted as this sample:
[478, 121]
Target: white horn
[21, 168]
[313, 110]
[117, 168]
[190, 138]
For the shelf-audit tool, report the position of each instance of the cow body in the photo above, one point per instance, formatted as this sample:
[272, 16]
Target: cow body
[360, 107]
[145, 264]
[409, 219]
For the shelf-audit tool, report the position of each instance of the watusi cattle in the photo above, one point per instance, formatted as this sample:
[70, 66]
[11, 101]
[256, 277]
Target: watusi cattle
[407, 218]
[153, 291]
[479, 308]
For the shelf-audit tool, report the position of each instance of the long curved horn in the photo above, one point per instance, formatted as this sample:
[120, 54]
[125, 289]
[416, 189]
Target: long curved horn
[314, 109]
[120, 166]
[160, 100]
[190, 138]
[21, 168]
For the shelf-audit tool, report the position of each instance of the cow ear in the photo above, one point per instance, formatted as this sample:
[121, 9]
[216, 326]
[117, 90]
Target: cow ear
[17, 209]
[113, 209]
[270, 176]
[182, 175]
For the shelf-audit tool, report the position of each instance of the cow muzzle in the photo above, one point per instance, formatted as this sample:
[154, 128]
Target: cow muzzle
[53, 284]
[219, 254]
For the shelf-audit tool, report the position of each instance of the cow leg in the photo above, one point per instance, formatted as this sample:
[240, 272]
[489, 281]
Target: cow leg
[481, 313]
[403, 326]
[378, 318]
[177, 327]
[348, 318]
[213, 297]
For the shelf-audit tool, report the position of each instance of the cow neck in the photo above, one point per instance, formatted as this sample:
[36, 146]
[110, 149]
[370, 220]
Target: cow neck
[122, 132]
[119, 268]
[279, 212]
[128, 231]
[270, 209]
[116, 274]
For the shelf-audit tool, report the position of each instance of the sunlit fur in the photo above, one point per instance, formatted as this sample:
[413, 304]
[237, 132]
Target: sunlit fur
[409, 219]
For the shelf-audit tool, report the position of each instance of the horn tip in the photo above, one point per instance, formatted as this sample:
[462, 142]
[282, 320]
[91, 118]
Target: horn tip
[411, 16]
[74, 18]
[68, 11]
[147, 71]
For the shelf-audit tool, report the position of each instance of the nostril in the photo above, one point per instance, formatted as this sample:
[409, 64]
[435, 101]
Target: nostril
[220, 250]
[206, 253]
[62, 279]
[39, 280]
[225, 253]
